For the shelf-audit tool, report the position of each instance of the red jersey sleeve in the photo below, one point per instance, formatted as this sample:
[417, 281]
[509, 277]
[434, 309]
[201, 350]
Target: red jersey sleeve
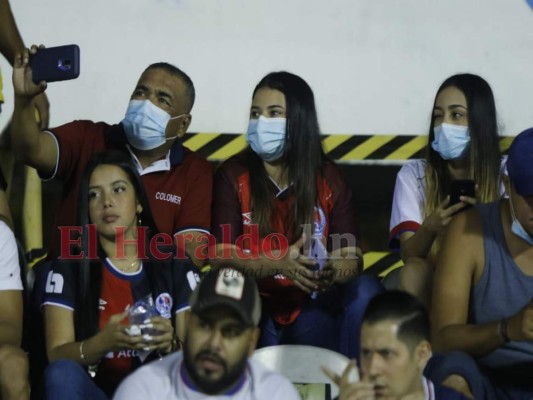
[77, 139]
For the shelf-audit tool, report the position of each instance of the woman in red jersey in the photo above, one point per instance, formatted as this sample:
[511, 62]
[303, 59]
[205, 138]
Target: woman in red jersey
[283, 214]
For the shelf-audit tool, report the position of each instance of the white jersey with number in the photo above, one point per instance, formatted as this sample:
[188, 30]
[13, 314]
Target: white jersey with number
[166, 380]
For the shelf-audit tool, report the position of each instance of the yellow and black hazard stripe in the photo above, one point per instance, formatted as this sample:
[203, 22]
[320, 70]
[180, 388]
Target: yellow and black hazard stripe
[380, 263]
[342, 148]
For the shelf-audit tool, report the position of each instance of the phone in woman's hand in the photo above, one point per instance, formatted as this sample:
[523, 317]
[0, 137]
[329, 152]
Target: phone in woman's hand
[318, 251]
[464, 187]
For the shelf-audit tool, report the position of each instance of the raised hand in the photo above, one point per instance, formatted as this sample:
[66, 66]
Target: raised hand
[22, 75]
[439, 219]
[349, 390]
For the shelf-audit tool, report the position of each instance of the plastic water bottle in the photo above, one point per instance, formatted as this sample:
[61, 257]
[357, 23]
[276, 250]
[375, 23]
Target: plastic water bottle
[140, 313]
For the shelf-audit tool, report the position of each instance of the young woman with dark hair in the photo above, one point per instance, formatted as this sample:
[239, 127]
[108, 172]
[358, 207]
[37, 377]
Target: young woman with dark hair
[275, 199]
[463, 144]
[87, 300]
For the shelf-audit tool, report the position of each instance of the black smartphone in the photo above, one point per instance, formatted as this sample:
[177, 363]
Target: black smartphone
[465, 187]
[319, 252]
[55, 64]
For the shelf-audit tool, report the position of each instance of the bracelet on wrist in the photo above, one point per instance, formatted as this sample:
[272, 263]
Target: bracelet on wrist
[91, 369]
[82, 356]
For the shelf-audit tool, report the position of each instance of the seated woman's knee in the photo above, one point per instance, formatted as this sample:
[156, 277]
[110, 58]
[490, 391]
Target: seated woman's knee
[362, 287]
[13, 368]
[416, 275]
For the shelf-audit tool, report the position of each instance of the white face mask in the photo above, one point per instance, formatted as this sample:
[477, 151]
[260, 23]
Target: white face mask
[451, 141]
[517, 227]
[145, 124]
[266, 137]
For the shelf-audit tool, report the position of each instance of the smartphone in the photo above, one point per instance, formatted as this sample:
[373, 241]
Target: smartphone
[465, 187]
[54, 64]
[319, 252]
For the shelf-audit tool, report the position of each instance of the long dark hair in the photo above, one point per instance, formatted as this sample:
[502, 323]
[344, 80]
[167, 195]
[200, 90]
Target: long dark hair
[484, 157]
[90, 273]
[303, 156]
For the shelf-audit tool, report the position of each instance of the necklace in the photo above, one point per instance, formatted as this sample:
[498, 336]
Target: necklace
[133, 266]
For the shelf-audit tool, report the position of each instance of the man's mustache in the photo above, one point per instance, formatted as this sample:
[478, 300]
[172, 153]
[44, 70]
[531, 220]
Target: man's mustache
[212, 356]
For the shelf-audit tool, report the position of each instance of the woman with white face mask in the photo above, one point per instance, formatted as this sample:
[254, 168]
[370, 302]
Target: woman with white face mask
[279, 209]
[462, 145]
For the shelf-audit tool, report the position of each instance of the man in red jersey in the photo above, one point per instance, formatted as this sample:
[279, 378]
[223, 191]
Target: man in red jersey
[177, 181]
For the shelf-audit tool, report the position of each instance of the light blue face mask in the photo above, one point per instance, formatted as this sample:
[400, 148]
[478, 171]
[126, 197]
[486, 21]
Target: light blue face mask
[266, 137]
[517, 227]
[145, 124]
[451, 141]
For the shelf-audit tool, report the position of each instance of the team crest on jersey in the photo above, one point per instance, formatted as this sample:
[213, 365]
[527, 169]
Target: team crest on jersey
[163, 303]
[320, 221]
[247, 218]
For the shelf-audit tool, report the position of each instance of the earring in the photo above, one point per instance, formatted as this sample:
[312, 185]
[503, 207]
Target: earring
[137, 227]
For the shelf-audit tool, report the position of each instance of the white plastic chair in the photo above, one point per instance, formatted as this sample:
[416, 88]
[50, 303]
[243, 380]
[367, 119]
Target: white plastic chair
[301, 364]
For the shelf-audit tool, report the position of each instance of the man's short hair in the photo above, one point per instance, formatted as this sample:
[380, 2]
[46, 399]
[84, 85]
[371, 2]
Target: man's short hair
[402, 308]
[178, 73]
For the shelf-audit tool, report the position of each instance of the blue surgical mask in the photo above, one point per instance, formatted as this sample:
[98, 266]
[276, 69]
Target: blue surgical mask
[517, 227]
[451, 141]
[145, 124]
[266, 137]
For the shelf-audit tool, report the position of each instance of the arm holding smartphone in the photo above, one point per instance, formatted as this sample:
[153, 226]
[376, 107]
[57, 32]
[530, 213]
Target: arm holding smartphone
[418, 244]
[31, 145]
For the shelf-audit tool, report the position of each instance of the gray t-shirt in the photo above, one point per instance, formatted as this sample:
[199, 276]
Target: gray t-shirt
[166, 380]
[501, 292]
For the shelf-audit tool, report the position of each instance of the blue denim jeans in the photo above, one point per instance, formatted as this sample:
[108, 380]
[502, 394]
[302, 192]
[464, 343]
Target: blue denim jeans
[332, 321]
[484, 383]
[68, 380]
